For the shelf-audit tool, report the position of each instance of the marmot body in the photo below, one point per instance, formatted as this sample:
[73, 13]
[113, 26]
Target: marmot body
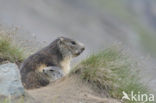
[59, 54]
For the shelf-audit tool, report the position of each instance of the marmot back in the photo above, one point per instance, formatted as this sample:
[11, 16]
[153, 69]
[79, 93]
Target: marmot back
[58, 54]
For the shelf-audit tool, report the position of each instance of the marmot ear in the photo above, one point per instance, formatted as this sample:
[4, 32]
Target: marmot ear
[61, 38]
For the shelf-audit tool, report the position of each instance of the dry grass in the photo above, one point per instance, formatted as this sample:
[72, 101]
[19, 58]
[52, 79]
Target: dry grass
[111, 71]
[9, 50]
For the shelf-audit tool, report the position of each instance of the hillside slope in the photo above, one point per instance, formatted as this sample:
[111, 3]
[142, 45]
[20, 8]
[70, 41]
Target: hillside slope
[101, 78]
[97, 26]
[69, 90]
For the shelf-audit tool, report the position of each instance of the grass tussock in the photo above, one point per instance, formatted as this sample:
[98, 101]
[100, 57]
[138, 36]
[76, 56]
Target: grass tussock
[111, 70]
[10, 51]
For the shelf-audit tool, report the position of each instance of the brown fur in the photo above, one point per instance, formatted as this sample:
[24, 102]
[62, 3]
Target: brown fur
[59, 53]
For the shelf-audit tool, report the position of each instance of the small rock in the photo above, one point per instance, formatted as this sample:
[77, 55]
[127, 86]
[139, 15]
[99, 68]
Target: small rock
[10, 81]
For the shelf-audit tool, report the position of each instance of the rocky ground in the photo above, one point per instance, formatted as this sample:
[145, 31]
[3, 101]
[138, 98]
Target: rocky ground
[69, 89]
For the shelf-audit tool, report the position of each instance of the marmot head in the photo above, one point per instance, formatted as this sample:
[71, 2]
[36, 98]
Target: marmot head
[53, 73]
[69, 47]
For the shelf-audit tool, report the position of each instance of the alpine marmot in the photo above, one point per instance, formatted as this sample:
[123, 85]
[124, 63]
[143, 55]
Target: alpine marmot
[58, 54]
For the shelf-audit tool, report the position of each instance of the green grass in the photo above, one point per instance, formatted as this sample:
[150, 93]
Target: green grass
[19, 100]
[9, 51]
[4, 101]
[112, 71]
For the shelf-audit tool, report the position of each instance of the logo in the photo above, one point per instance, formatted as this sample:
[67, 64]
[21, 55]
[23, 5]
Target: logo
[137, 97]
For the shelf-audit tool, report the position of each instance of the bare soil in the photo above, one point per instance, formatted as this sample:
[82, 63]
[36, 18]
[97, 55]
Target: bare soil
[69, 90]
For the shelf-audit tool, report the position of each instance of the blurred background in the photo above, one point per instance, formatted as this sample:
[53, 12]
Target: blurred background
[98, 24]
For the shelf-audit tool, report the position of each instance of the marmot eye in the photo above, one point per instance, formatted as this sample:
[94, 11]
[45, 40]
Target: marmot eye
[73, 42]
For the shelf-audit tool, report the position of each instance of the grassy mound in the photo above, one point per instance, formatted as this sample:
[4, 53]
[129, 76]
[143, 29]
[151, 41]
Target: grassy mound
[112, 71]
[9, 51]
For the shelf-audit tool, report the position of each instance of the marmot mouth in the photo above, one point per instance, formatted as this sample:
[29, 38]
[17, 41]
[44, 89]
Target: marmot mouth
[77, 54]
